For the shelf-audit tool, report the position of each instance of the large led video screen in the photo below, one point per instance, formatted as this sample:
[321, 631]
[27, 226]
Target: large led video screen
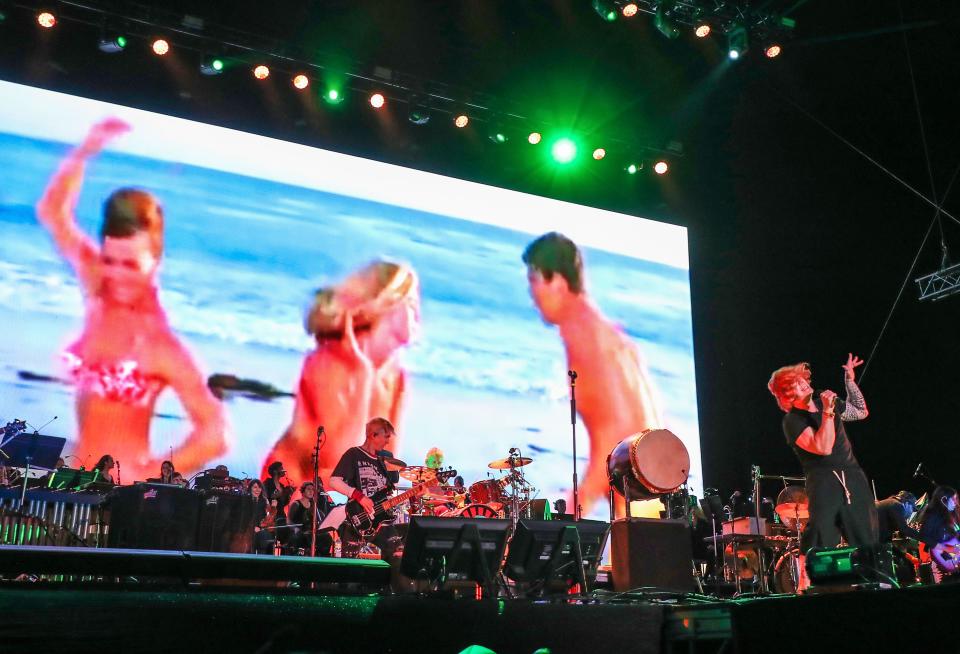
[172, 289]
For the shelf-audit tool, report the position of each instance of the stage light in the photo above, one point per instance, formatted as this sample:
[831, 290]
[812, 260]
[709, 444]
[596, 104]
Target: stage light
[633, 168]
[599, 154]
[261, 72]
[301, 82]
[772, 50]
[498, 136]
[211, 66]
[629, 10]
[736, 43]
[46, 19]
[419, 115]
[377, 100]
[564, 150]
[112, 45]
[333, 96]
[461, 120]
[605, 10]
[661, 167]
[160, 47]
[663, 22]
[702, 30]
[534, 138]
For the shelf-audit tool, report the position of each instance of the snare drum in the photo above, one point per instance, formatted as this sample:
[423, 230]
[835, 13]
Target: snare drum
[488, 491]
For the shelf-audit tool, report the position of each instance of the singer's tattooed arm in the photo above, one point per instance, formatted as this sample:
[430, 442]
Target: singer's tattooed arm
[856, 406]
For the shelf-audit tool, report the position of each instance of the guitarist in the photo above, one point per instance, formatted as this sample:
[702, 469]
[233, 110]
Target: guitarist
[361, 473]
[940, 533]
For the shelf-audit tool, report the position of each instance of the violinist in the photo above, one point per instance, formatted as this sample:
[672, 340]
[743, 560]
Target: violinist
[264, 515]
[278, 495]
[302, 514]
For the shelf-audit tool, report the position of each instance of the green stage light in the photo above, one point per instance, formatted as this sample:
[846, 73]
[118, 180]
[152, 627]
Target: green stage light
[564, 150]
[605, 10]
[333, 95]
[112, 44]
[211, 66]
[633, 168]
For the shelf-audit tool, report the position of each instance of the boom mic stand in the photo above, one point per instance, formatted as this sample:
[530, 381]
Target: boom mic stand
[572, 374]
[316, 490]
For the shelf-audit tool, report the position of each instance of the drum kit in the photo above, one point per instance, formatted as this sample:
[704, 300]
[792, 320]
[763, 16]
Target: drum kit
[756, 562]
[508, 496]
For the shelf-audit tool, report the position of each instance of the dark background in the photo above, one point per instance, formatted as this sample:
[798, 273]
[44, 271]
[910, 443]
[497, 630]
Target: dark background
[799, 245]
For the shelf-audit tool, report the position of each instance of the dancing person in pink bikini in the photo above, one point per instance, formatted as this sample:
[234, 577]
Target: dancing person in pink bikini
[126, 354]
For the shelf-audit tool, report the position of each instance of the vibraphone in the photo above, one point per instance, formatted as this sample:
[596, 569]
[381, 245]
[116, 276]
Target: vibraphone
[50, 518]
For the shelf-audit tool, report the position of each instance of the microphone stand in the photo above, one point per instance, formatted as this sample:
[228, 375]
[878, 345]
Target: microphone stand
[572, 374]
[316, 491]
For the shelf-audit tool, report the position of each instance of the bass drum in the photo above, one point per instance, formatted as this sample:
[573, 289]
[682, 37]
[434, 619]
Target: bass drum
[786, 572]
[473, 511]
[488, 491]
[649, 464]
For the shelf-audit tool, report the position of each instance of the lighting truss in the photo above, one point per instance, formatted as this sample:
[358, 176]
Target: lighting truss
[943, 283]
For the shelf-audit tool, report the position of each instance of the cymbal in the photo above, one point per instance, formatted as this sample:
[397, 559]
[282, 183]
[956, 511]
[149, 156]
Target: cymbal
[392, 464]
[510, 462]
[416, 473]
[797, 494]
[793, 511]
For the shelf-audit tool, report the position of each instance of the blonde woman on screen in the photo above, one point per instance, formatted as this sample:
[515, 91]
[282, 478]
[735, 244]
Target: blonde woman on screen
[126, 353]
[360, 326]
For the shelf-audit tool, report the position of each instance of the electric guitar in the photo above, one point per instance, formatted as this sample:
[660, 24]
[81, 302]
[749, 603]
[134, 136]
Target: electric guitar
[364, 524]
[948, 551]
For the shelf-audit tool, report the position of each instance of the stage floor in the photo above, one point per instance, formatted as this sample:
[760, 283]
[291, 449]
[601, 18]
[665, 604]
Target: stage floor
[59, 617]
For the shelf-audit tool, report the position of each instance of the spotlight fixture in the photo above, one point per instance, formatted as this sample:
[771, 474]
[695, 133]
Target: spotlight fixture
[661, 167]
[112, 44]
[633, 168]
[301, 82]
[605, 9]
[46, 19]
[160, 47]
[629, 10]
[333, 96]
[461, 120]
[772, 50]
[736, 42]
[419, 113]
[702, 30]
[261, 72]
[564, 150]
[663, 22]
[498, 134]
[599, 154]
[377, 100]
[211, 65]
[534, 138]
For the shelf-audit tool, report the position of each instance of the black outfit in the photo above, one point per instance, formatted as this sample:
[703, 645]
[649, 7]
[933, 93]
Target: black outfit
[263, 539]
[936, 529]
[367, 474]
[273, 491]
[837, 488]
[891, 519]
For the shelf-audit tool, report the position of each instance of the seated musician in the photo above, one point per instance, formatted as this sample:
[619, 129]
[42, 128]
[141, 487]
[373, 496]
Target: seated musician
[360, 475]
[166, 474]
[263, 536]
[178, 480]
[105, 469]
[301, 515]
[892, 514]
[278, 492]
[940, 533]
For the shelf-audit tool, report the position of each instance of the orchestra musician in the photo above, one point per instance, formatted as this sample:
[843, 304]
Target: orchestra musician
[105, 469]
[279, 493]
[301, 515]
[264, 514]
[940, 533]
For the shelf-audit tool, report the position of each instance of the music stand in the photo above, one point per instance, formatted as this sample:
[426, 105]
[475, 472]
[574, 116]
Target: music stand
[32, 450]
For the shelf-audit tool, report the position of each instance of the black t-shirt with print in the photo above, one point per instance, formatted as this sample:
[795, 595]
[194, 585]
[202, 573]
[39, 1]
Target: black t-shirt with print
[840, 457]
[363, 472]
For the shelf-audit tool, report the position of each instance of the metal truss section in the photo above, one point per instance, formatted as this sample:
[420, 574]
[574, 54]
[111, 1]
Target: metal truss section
[940, 284]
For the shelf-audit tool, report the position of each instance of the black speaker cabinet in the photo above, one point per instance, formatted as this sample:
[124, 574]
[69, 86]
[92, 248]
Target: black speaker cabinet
[649, 552]
[226, 522]
[154, 517]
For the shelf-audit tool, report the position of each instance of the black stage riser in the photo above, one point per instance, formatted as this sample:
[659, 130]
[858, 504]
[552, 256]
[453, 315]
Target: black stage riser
[110, 562]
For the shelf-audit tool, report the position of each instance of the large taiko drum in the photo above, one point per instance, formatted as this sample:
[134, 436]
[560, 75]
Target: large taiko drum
[648, 464]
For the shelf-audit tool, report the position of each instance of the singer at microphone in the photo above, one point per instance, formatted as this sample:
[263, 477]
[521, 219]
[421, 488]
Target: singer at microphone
[837, 488]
